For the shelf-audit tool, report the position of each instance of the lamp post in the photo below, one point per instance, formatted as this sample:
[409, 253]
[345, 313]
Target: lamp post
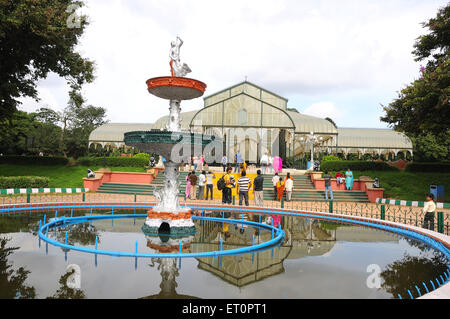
[312, 139]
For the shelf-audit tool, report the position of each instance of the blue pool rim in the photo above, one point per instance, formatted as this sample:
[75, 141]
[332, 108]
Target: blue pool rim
[278, 236]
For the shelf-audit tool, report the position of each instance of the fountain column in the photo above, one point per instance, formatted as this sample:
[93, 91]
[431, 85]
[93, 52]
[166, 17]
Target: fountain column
[174, 116]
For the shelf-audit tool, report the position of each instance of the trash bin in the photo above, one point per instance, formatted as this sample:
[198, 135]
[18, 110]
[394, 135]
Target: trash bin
[438, 192]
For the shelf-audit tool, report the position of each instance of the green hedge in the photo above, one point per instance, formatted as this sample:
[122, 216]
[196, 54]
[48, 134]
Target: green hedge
[23, 182]
[428, 167]
[356, 166]
[113, 161]
[33, 160]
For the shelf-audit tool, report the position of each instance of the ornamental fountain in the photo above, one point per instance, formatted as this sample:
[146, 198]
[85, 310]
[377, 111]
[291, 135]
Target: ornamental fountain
[168, 143]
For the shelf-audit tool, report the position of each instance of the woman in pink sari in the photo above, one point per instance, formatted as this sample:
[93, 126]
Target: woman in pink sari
[188, 186]
[277, 164]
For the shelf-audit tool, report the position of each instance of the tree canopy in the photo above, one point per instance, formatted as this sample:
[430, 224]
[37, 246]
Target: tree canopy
[422, 109]
[38, 37]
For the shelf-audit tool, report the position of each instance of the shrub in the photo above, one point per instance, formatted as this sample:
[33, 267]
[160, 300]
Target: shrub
[330, 158]
[356, 165]
[113, 161]
[143, 156]
[33, 160]
[428, 167]
[23, 182]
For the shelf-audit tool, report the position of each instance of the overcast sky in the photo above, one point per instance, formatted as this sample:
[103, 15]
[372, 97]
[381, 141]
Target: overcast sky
[340, 59]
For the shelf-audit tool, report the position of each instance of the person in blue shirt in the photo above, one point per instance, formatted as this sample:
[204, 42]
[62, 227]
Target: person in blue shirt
[238, 161]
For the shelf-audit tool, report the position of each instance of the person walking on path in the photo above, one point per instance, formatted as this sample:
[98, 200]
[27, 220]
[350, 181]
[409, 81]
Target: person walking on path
[280, 188]
[209, 184]
[349, 179]
[243, 185]
[201, 185]
[193, 178]
[224, 163]
[258, 189]
[327, 177]
[226, 192]
[429, 209]
[275, 180]
[188, 186]
[289, 185]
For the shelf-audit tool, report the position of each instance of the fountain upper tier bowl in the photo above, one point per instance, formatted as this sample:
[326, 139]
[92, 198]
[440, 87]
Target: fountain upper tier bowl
[164, 142]
[176, 88]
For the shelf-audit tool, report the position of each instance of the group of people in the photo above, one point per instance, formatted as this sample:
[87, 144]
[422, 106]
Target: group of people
[197, 161]
[243, 185]
[341, 178]
[204, 180]
[280, 186]
[271, 164]
[239, 163]
[346, 178]
[268, 163]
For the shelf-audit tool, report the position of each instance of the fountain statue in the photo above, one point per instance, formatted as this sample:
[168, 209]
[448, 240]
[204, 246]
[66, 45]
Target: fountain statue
[168, 213]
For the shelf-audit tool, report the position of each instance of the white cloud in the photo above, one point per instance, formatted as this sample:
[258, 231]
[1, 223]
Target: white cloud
[325, 109]
[307, 48]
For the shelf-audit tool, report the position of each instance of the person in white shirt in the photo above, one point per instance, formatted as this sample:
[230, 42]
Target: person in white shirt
[201, 185]
[428, 209]
[289, 186]
[275, 180]
[264, 163]
[209, 185]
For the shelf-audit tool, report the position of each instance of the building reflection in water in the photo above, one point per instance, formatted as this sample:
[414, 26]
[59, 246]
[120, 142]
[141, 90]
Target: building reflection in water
[304, 237]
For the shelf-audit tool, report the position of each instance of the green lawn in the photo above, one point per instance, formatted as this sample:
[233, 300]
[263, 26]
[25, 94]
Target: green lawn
[59, 175]
[407, 185]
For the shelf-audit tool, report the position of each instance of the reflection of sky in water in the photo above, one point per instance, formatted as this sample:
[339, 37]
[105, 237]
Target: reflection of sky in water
[339, 272]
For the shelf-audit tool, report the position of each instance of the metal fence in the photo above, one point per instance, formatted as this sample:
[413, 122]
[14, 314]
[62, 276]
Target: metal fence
[396, 213]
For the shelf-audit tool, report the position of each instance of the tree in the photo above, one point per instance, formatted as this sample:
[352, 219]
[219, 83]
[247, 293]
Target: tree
[75, 123]
[16, 133]
[422, 109]
[436, 43]
[429, 147]
[38, 37]
[82, 121]
[423, 106]
[12, 281]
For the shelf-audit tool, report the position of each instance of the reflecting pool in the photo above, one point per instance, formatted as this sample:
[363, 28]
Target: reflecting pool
[317, 259]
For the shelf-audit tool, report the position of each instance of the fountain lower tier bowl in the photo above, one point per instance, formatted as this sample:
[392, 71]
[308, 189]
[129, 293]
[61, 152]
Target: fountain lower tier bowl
[175, 88]
[168, 222]
[166, 143]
